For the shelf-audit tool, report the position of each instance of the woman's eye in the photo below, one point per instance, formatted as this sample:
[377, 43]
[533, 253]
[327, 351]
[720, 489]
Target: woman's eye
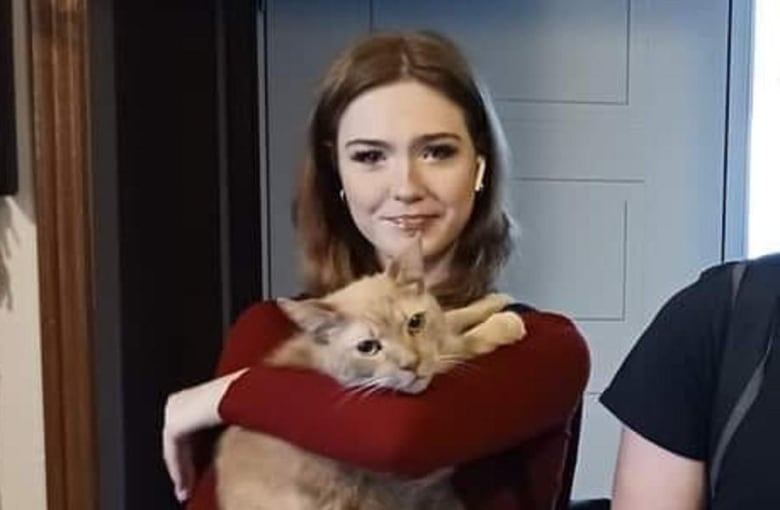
[369, 347]
[370, 157]
[439, 152]
[416, 323]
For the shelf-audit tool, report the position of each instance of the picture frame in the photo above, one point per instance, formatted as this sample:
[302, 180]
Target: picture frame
[9, 181]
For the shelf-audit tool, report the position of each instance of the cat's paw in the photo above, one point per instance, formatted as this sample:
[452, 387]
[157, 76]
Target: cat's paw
[497, 301]
[502, 328]
[510, 327]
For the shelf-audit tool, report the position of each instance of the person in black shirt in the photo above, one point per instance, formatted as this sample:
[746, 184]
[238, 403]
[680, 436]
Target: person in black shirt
[664, 394]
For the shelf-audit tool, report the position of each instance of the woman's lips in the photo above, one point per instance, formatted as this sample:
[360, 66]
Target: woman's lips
[411, 222]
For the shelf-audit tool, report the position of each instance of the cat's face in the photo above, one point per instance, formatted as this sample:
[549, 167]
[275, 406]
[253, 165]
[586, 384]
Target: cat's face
[381, 331]
[375, 341]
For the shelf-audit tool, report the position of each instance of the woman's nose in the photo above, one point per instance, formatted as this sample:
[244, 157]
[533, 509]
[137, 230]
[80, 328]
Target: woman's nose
[408, 186]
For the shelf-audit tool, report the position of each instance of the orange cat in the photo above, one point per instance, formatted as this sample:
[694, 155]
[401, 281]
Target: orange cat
[382, 331]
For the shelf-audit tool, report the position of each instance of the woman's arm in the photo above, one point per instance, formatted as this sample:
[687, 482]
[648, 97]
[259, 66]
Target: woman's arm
[256, 332]
[186, 413]
[649, 477]
[497, 401]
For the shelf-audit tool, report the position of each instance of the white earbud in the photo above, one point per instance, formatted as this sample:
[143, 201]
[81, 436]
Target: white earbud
[478, 184]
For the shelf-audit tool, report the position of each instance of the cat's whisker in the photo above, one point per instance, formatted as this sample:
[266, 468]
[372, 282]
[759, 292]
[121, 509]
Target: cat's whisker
[360, 389]
[457, 364]
[367, 387]
[356, 390]
[350, 393]
[375, 388]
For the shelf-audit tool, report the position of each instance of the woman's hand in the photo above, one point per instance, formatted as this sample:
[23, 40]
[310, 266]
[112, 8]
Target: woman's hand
[187, 412]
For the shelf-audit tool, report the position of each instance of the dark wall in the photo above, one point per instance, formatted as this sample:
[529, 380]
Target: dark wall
[169, 219]
[8, 171]
[181, 256]
[239, 21]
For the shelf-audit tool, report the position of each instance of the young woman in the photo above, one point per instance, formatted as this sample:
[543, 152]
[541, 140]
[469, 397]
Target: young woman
[402, 142]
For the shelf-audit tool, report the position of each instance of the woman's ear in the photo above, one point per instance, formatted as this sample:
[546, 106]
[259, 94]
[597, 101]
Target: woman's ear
[479, 183]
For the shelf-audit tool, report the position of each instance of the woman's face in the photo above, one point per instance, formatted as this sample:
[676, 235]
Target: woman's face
[408, 166]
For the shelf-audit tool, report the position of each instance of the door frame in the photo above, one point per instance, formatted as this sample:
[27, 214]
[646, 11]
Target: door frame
[738, 113]
[58, 51]
[72, 50]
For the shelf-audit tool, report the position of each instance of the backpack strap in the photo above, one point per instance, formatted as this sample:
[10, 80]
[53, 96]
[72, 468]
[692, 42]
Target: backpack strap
[753, 326]
[737, 272]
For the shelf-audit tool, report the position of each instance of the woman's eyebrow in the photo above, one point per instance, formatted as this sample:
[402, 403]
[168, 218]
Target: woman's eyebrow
[420, 140]
[368, 141]
[432, 137]
[423, 140]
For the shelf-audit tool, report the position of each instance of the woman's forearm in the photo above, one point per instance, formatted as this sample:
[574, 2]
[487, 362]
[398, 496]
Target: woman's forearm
[505, 398]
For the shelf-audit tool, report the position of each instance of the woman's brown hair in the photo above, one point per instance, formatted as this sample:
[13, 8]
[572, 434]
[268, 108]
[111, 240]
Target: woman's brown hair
[334, 252]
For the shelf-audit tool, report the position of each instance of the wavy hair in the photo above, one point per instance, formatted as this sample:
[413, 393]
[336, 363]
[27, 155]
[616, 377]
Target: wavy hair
[334, 252]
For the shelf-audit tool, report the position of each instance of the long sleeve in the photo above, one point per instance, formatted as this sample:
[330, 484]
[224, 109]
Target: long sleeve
[497, 402]
[258, 329]
[256, 332]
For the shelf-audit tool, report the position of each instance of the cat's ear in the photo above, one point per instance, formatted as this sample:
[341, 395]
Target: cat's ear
[311, 315]
[406, 268]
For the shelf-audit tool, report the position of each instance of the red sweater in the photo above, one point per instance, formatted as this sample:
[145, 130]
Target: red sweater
[504, 422]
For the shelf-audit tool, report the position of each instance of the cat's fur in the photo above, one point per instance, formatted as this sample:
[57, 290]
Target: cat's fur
[406, 339]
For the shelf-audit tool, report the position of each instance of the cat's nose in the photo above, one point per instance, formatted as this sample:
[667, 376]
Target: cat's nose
[410, 362]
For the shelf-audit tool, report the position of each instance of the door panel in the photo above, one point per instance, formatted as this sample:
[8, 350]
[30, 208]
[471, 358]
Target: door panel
[572, 141]
[559, 265]
[529, 50]
[615, 113]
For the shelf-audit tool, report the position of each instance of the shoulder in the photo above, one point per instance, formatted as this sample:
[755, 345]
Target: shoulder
[695, 315]
[544, 324]
[262, 307]
[688, 329]
[712, 287]
[257, 330]
[264, 318]
[552, 339]
[663, 388]
[261, 312]
[553, 327]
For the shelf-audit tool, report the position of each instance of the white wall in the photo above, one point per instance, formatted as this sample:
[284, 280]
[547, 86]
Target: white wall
[764, 208]
[22, 464]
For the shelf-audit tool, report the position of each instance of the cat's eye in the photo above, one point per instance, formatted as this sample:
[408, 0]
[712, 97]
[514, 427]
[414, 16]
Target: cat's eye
[369, 347]
[415, 323]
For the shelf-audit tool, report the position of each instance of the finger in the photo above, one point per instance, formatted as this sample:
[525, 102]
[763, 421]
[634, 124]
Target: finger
[170, 456]
[187, 470]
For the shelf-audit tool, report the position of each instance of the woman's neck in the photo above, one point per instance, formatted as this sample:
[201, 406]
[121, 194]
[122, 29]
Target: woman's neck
[436, 269]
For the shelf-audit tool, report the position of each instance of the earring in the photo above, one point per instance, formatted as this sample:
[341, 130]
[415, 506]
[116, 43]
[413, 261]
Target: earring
[342, 195]
[479, 184]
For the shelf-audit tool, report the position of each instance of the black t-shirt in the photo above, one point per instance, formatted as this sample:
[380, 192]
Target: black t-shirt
[665, 388]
